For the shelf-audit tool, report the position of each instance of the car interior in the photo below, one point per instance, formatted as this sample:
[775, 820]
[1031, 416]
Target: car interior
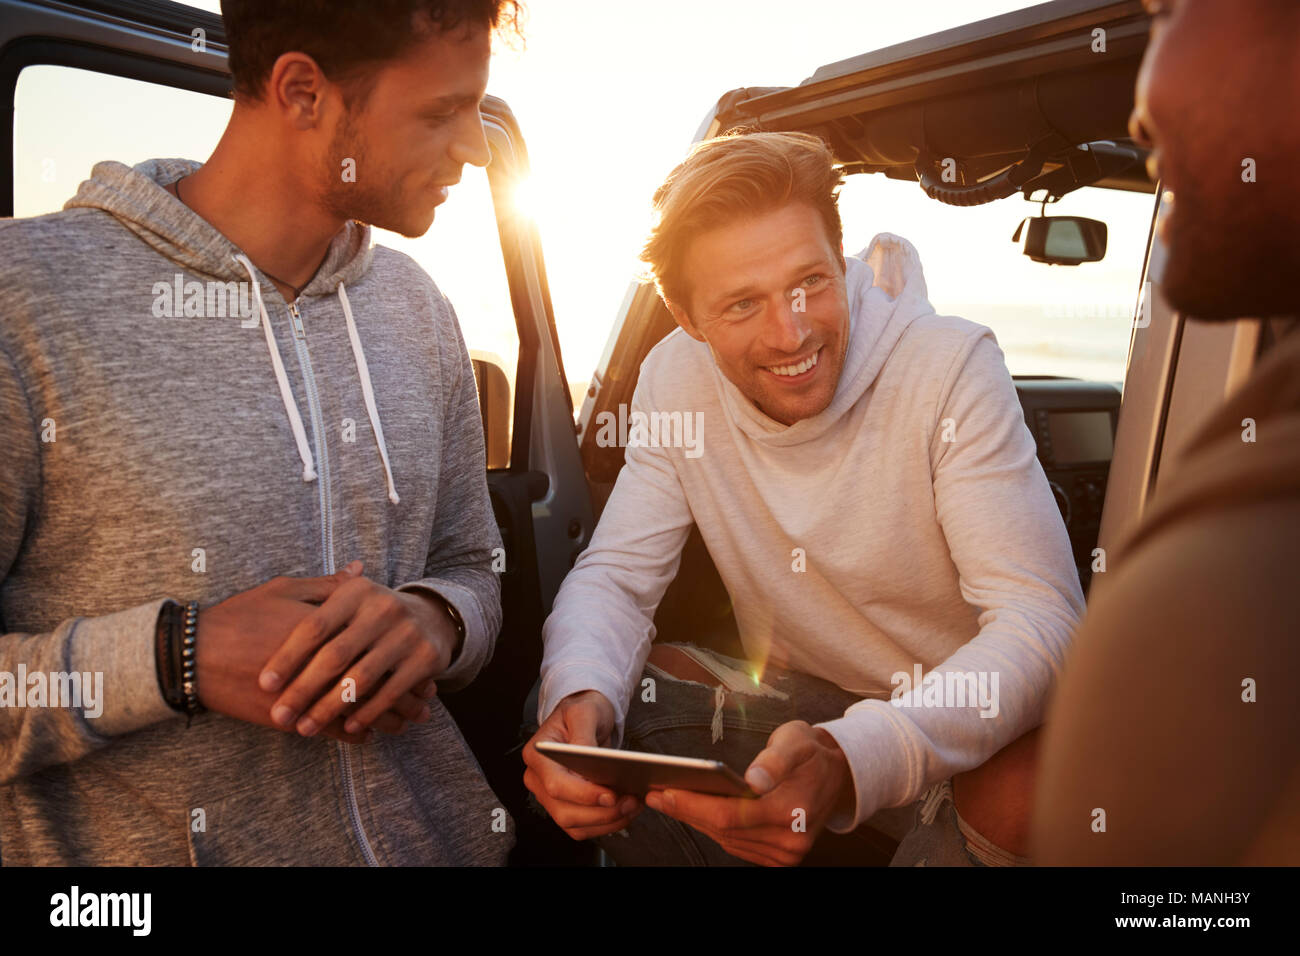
[1022, 104]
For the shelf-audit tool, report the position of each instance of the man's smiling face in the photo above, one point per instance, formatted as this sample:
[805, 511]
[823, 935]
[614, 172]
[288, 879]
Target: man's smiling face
[767, 295]
[1219, 85]
[419, 127]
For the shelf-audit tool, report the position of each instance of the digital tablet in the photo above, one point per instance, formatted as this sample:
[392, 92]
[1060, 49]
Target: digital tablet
[634, 772]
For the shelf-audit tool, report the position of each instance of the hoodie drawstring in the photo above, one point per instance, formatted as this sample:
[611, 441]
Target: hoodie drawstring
[290, 407]
[368, 393]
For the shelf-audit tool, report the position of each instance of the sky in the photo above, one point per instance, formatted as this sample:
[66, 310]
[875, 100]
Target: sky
[609, 96]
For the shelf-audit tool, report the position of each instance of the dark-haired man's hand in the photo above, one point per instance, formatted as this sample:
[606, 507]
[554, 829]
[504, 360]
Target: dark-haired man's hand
[365, 644]
[238, 636]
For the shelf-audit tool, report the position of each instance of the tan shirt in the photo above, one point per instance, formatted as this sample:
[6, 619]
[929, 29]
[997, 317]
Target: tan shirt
[1152, 725]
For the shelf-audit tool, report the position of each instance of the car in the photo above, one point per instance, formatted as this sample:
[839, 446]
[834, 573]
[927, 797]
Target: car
[1031, 104]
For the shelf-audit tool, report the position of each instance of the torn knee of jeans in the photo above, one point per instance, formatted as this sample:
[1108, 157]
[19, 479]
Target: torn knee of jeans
[700, 667]
[695, 666]
[933, 800]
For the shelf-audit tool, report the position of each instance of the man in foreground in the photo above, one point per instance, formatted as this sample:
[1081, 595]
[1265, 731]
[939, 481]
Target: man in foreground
[867, 488]
[1175, 736]
[166, 445]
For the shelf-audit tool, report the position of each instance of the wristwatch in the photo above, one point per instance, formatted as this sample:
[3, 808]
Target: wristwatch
[455, 619]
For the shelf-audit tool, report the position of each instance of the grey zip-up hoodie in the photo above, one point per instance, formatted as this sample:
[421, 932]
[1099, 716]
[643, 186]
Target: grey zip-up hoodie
[147, 452]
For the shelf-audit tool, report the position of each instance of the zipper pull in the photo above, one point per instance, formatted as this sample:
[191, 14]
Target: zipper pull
[296, 318]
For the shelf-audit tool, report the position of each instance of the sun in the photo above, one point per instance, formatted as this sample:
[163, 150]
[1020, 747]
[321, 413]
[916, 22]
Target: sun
[524, 199]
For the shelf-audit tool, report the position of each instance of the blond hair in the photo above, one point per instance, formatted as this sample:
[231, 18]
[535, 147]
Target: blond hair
[737, 176]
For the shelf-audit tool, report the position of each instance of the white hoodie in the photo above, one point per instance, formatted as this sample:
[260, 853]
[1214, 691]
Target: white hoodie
[929, 538]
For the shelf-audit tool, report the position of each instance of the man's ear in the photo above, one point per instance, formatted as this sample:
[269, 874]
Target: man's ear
[684, 321]
[298, 86]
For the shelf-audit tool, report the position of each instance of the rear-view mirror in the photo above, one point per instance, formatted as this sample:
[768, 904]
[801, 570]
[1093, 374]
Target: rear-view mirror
[1063, 240]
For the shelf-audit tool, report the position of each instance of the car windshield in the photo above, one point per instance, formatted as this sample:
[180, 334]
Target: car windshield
[1071, 321]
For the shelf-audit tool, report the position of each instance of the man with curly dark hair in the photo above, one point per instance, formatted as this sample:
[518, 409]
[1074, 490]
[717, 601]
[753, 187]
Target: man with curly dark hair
[250, 576]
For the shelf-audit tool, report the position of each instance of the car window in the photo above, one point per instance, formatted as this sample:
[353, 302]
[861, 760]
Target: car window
[1072, 321]
[115, 118]
[66, 120]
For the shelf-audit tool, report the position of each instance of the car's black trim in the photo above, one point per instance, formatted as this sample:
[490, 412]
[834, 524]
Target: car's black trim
[162, 15]
[39, 51]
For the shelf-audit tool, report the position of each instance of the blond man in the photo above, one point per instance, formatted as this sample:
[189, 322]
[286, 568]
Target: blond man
[867, 488]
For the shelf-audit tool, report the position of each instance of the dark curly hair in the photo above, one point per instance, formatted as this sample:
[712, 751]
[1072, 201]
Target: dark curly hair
[346, 38]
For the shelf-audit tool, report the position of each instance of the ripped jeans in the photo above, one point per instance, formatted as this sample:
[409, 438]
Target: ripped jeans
[684, 719]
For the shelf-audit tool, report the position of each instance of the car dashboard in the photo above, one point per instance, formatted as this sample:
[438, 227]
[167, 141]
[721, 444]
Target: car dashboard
[1073, 425]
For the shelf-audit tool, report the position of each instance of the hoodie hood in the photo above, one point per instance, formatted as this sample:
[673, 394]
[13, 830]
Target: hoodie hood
[886, 293]
[135, 196]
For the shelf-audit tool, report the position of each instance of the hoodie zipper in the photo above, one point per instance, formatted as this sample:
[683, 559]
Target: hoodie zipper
[327, 547]
[318, 431]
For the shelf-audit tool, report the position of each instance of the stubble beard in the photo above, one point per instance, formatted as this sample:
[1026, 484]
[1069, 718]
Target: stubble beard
[362, 199]
[1230, 258]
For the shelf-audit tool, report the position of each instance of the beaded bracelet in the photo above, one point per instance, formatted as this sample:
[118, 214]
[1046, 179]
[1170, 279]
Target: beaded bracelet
[176, 645]
[189, 660]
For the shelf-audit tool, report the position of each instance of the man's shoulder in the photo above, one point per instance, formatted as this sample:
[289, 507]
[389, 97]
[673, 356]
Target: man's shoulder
[417, 313]
[932, 332]
[939, 349]
[61, 222]
[399, 274]
[391, 266]
[34, 244]
[676, 364]
[52, 262]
